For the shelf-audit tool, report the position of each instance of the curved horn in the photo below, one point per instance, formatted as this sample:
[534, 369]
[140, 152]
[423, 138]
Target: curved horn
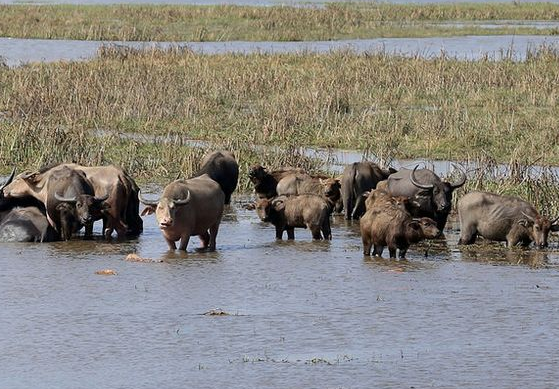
[528, 216]
[414, 181]
[102, 198]
[10, 179]
[144, 201]
[461, 181]
[183, 201]
[65, 199]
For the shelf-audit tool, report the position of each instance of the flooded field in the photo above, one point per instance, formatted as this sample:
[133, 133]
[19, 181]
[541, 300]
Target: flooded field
[299, 314]
[17, 51]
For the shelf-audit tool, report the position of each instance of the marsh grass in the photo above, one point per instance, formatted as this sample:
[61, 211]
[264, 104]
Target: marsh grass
[280, 23]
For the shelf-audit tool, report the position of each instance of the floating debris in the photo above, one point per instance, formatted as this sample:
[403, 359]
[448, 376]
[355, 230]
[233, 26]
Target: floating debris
[136, 258]
[106, 272]
[216, 312]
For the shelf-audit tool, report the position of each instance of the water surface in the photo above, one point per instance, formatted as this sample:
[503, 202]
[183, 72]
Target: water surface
[19, 51]
[301, 314]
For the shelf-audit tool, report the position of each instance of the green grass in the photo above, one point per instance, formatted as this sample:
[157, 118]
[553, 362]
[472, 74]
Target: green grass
[279, 23]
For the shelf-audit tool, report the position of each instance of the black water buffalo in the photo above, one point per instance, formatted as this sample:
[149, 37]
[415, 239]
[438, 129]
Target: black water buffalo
[265, 183]
[502, 218]
[423, 186]
[222, 167]
[186, 208]
[358, 178]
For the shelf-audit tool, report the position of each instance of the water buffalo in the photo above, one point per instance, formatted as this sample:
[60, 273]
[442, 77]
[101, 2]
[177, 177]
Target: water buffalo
[298, 183]
[26, 224]
[186, 208]
[502, 218]
[223, 168]
[121, 212]
[358, 178]
[388, 223]
[304, 211]
[433, 195]
[265, 183]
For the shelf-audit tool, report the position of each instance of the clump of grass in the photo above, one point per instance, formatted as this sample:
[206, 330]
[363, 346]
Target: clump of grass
[282, 23]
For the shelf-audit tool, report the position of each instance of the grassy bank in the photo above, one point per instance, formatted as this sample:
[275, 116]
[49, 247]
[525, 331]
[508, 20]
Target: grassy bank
[388, 106]
[281, 23]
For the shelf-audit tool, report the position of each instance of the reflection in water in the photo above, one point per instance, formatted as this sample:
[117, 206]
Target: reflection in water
[498, 254]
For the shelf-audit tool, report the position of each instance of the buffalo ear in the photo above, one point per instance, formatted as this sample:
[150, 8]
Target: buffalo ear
[366, 193]
[148, 210]
[555, 227]
[63, 207]
[31, 178]
[414, 224]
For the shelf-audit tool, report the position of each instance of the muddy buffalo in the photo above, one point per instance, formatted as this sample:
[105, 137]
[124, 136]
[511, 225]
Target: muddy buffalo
[186, 208]
[433, 195]
[502, 218]
[358, 178]
[387, 222]
[222, 167]
[289, 212]
[265, 183]
[298, 183]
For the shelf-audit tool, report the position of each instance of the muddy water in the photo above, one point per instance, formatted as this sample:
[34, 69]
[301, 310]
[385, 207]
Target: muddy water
[302, 314]
[19, 51]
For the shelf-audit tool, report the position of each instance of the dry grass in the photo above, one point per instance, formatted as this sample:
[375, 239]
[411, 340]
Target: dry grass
[228, 22]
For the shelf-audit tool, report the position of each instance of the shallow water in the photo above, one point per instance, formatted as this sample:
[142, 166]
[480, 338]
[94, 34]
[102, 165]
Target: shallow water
[241, 2]
[302, 313]
[18, 51]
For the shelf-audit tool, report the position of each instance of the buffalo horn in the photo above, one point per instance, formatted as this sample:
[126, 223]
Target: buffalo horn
[183, 201]
[65, 199]
[102, 198]
[10, 179]
[144, 201]
[462, 179]
[414, 181]
[528, 216]
[555, 220]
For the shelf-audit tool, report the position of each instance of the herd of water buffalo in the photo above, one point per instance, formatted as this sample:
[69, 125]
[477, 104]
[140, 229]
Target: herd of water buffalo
[395, 208]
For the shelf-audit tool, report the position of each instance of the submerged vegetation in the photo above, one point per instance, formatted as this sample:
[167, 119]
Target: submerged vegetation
[280, 23]
[388, 106]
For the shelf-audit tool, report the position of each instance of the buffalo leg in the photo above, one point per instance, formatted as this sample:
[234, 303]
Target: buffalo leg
[367, 244]
[392, 251]
[315, 231]
[213, 235]
[184, 242]
[171, 244]
[403, 252]
[205, 239]
[359, 208]
[326, 231]
[290, 233]
[377, 251]
[88, 230]
[348, 206]
[468, 235]
[279, 232]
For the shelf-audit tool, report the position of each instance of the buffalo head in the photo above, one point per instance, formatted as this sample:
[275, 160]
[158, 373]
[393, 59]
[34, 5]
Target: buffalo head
[87, 207]
[538, 228]
[439, 191]
[165, 209]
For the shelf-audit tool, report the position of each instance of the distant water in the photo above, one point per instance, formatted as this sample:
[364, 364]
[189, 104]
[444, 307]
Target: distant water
[18, 51]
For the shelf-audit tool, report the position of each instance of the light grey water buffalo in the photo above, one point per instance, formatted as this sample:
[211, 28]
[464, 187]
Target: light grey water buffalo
[387, 222]
[433, 195]
[289, 212]
[502, 218]
[358, 178]
[186, 208]
[223, 168]
[302, 183]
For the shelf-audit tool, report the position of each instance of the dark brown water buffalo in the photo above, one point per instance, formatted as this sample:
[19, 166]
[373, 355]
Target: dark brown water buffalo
[433, 195]
[358, 178]
[502, 218]
[388, 223]
[222, 167]
[299, 183]
[186, 208]
[289, 212]
[265, 183]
